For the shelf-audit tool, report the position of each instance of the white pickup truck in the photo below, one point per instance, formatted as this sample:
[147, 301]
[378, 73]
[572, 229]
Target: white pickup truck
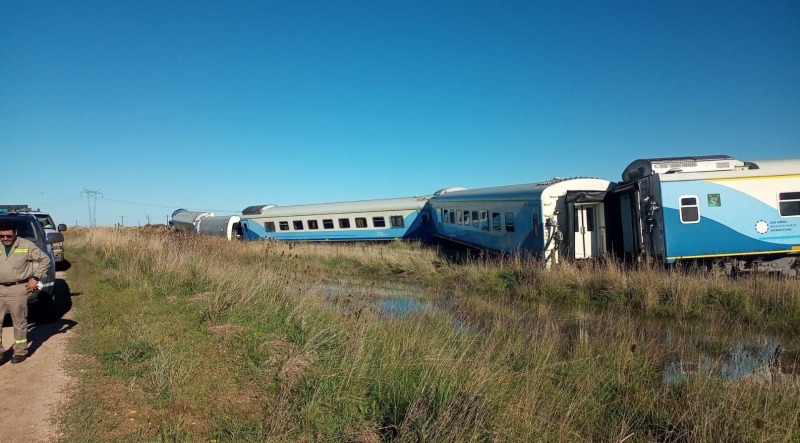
[50, 226]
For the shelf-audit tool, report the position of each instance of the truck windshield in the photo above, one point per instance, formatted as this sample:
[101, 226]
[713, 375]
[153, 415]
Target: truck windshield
[46, 221]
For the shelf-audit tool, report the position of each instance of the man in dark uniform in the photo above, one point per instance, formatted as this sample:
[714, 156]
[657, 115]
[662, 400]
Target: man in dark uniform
[22, 265]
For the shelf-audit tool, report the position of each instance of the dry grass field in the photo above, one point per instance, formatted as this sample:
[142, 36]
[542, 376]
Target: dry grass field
[186, 338]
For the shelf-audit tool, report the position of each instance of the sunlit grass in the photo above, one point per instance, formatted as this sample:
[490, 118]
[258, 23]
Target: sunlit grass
[205, 339]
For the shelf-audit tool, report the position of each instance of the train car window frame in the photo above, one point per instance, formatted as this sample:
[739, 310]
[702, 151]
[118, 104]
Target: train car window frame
[467, 218]
[439, 215]
[361, 222]
[344, 223]
[397, 221]
[484, 220]
[446, 219]
[510, 219]
[459, 217]
[497, 222]
[283, 225]
[297, 225]
[789, 202]
[689, 212]
[313, 224]
[269, 226]
[475, 219]
[327, 223]
[378, 222]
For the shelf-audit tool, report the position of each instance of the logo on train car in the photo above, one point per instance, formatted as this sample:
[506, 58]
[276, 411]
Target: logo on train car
[714, 201]
[762, 227]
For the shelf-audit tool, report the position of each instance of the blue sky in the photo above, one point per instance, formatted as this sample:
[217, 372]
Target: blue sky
[222, 105]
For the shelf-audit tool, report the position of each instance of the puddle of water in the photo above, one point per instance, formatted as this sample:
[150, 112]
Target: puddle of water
[730, 354]
[400, 306]
[394, 301]
[746, 361]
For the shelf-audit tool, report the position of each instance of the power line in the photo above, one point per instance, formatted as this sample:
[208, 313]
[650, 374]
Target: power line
[170, 206]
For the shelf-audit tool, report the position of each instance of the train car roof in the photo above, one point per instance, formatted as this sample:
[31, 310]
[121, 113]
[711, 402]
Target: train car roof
[388, 204]
[708, 167]
[529, 191]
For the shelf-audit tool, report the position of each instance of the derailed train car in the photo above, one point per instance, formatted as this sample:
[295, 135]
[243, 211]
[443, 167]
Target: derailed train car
[227, 226]
[366, 220]
[547, 220]
[717, 210]
[186, 221]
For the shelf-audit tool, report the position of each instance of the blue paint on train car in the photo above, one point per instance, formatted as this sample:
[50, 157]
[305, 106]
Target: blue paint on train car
[738, 224]
[525, 238]
[413, 230]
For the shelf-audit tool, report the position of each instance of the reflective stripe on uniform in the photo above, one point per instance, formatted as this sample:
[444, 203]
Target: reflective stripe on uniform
[21, 341]
[21, 250]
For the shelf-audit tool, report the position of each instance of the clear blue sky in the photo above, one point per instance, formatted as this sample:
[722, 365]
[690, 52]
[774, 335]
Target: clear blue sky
[221, 105]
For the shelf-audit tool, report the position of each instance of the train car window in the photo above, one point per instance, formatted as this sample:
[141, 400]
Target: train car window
[344, 222]
[789, 204]
[467, 218]
[497, 223]
[269, 226]
[396, 221]
[474, 219]
[509, 222]
[379, 222]
[327, 223]
[298, 225]
[312, 224]
[439, 215]
[584, 218]
[446, 216]
[484, 223]
[690, 209]
[361, 222]
[284, 225]
[459, 217]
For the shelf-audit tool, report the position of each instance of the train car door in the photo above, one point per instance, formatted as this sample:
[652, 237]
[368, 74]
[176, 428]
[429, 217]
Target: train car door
[626, 197]
[588, 231]
[586, 224]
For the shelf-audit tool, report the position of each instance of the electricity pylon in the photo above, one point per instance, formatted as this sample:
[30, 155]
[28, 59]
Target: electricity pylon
[91, 200]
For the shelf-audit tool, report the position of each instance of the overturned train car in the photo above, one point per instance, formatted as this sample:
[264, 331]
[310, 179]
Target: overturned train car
[206, 223]
[186, 221]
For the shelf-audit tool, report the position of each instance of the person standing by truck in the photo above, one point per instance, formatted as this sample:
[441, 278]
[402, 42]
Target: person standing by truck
[22, 265]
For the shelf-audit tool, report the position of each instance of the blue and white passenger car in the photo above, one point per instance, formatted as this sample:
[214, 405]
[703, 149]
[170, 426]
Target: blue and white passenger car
[544, 220]
[366, 220]
[743, 215]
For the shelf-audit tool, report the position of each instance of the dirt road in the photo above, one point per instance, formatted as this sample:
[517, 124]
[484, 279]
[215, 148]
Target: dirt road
[32, 392]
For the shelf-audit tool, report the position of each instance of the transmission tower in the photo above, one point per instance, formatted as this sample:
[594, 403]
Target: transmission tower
[91, 200]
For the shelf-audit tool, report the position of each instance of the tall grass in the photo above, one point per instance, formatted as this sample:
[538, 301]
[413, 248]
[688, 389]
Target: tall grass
[198, 339]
